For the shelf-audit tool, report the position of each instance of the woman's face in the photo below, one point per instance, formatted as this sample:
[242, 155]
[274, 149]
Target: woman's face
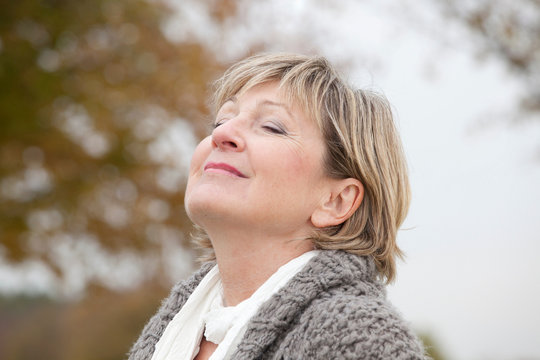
[261, 168]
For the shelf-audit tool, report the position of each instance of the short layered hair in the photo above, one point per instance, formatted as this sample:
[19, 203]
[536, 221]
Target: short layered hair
[361, 142]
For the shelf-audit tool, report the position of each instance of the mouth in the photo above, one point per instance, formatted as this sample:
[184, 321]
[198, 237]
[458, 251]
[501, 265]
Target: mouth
[224, 169]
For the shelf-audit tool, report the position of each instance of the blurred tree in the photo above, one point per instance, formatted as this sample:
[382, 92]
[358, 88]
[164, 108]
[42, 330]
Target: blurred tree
[99, 114]
[431, 346]
[510, 30]
[102, 326]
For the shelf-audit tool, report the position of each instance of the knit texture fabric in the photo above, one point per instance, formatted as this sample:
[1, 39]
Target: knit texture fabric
[334, 308]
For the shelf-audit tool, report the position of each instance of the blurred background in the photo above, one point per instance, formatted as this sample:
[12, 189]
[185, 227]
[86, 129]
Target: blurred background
[102, 103]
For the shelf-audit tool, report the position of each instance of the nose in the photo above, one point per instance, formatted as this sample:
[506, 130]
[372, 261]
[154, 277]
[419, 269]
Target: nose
[228, 136]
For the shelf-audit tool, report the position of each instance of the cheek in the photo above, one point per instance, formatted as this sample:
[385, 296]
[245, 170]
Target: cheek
[304, 162]
[197, 160]
[200, 155]
[297, 169]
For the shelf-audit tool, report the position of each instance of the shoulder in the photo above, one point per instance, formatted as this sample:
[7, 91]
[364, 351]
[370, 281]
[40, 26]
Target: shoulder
[145, 344]
[350, 327]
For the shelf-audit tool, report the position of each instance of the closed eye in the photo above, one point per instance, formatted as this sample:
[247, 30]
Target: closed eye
[217, 123]
[274, 129]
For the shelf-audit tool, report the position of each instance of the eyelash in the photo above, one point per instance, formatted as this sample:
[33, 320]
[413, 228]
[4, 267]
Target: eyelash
[273, 129]
[217, 123]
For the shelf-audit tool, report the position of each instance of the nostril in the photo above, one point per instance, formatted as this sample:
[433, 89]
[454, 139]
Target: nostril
[225, 137]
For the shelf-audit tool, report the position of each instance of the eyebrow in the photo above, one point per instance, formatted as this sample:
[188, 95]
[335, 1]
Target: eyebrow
[234, 100]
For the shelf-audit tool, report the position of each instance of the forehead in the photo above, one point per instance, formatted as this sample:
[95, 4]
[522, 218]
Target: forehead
[268, 93]
[292, 97]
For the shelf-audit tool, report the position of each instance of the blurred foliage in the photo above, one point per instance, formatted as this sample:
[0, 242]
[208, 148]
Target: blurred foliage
[98, 115]
[431, 346]
[102, 326]
[509, 30]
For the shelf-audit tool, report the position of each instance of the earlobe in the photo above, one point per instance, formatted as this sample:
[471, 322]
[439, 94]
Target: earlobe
[345, 198]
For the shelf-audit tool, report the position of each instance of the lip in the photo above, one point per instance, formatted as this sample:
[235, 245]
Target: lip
[223, 167]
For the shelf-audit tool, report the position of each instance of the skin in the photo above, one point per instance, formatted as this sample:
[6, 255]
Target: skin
[258, 188]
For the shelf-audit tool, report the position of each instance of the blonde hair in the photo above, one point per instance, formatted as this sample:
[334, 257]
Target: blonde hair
[361, 142]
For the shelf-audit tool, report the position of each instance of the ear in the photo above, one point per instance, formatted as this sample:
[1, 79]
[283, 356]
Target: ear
[345, 197]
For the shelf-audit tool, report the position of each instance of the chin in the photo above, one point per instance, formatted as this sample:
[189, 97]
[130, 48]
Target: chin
[206, 207]
[195, 208]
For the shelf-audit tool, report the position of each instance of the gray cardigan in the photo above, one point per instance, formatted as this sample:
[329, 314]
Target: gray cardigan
[334, 308]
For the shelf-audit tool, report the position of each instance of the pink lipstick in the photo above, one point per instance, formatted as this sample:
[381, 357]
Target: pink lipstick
[224, 168]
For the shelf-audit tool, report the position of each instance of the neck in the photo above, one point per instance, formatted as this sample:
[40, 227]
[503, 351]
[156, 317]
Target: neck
[246, 261]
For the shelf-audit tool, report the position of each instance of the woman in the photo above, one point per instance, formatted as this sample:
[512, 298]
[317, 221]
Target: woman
[298, 193]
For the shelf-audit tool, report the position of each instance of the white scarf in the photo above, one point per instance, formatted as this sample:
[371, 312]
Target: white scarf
[225, 326]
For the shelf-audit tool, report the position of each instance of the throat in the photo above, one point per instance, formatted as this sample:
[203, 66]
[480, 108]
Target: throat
[246, 261]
